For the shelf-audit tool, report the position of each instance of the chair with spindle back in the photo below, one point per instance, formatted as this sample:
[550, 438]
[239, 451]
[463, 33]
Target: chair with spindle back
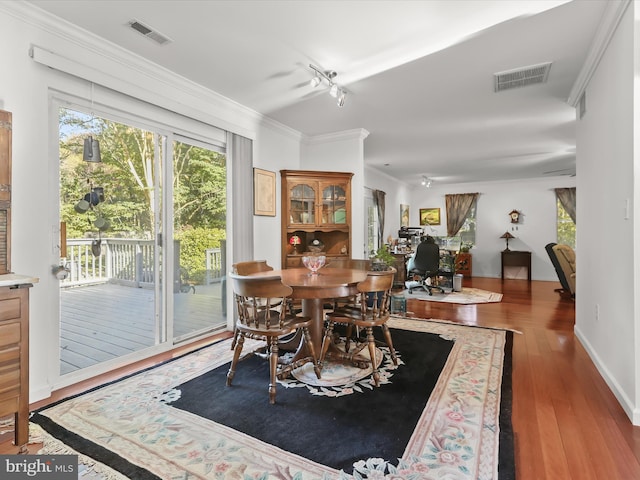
[261, 315]
[372, 310]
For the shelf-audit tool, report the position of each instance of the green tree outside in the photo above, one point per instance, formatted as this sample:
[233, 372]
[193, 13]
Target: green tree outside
[126, 175]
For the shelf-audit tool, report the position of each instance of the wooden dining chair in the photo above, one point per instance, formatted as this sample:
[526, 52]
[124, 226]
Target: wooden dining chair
[251, 266]
[247, 268]
[262, 315]
[372, 310]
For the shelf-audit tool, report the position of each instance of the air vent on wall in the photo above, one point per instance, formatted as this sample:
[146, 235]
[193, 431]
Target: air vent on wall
[149, 32]
[521, 77]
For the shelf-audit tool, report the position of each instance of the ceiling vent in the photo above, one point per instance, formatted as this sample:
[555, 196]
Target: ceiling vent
[149, 32]
[521, 77]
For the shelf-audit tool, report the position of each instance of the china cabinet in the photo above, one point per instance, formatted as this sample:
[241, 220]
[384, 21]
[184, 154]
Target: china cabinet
[316, 214]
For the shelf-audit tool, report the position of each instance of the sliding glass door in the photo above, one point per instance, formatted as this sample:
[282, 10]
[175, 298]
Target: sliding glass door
[133, 285]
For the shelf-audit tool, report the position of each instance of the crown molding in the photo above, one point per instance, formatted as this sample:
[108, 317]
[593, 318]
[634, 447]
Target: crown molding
[611, 17]
[354, 134]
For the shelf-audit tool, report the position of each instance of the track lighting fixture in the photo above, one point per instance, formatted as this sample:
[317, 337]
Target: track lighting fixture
[335, 90]
[315, 81]
[341, 98]
[426, 181]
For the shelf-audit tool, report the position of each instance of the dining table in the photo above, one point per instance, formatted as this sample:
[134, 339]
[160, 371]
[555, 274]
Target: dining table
[316, 289]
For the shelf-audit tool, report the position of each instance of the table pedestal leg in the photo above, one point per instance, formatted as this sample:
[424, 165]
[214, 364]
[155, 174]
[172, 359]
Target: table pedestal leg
[312, 307]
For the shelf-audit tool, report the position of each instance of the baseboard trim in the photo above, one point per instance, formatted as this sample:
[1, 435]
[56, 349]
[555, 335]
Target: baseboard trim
[632, 411]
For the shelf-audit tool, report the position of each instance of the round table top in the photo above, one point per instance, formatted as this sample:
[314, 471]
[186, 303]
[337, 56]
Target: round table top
[327, 283]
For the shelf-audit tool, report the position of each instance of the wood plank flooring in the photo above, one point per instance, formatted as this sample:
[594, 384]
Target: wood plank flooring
[106, 321]
[567, 423]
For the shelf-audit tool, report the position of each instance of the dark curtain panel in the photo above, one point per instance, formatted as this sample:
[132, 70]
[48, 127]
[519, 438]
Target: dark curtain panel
[458, 206]
[378, 199]
[567, 197]
[240, 157]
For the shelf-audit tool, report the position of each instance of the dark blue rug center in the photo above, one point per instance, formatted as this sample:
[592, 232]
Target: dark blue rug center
[333, 431]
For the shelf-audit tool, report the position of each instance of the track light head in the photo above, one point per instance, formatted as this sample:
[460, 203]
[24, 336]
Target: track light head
[328, 75]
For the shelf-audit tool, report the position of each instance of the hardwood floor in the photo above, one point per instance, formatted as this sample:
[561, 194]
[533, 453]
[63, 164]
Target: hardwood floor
[567, 423]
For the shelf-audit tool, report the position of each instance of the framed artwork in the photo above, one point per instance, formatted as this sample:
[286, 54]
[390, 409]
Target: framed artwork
[264, 192]
[404, 215]
[429, 216]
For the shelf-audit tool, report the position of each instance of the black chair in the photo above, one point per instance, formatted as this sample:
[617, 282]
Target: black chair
[425, 265]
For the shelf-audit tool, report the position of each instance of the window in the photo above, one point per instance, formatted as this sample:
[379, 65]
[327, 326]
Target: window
[566, 229]
[467, 232]
[372, 226]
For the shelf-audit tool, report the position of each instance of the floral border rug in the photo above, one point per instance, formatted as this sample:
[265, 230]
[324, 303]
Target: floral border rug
[468, 296]
[457, 436]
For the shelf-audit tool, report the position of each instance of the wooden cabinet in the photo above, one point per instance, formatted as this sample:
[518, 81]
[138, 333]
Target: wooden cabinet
[14, 357]
[315, 206]
[464, 264]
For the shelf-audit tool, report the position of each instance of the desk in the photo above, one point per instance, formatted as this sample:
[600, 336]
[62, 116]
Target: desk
[514, 258]
[314, 290]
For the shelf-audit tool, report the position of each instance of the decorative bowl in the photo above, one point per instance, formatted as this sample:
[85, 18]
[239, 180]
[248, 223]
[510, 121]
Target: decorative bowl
[314, 262]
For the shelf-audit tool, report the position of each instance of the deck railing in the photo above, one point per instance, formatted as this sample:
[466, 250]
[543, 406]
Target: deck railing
[124, 261]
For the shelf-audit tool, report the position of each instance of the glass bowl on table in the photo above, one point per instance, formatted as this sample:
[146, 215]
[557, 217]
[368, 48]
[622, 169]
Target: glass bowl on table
[314, 262]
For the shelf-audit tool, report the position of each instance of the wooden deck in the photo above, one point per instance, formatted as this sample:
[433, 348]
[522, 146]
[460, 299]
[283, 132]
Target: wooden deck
[106, 321]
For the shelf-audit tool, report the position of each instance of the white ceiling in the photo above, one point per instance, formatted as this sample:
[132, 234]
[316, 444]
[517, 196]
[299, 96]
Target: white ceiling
[419, 74]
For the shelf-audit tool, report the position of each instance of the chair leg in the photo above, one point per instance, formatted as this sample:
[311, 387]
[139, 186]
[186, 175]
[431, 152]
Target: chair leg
[387, 338]
[235, 339]
[326, 340]
[312, 350]
[372, 354]
[273, 367]
[236, 356]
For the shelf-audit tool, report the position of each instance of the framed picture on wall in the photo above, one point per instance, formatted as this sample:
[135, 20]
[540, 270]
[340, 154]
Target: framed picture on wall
[429, 216]
[264, 192]
[404, 215]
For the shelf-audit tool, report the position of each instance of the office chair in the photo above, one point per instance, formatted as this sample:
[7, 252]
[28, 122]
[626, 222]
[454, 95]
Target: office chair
[425, 265]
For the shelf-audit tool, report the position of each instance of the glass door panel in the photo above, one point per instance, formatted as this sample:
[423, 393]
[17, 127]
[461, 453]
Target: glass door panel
[302, 208]
[110, 210]
[199, 239]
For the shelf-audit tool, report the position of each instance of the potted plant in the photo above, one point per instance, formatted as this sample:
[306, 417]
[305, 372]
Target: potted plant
[382, 260]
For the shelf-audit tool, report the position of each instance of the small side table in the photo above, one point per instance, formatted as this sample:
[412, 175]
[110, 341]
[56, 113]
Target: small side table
[514, 258]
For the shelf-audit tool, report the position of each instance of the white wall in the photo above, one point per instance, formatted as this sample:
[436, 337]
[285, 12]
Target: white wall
[277, 149]
[607, 266]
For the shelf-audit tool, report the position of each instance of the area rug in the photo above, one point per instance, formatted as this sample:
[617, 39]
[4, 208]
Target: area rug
[175, 421]
[467, 296]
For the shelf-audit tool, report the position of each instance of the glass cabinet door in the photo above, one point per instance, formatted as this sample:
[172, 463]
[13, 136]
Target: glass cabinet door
[302, 204]
[334, 205]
